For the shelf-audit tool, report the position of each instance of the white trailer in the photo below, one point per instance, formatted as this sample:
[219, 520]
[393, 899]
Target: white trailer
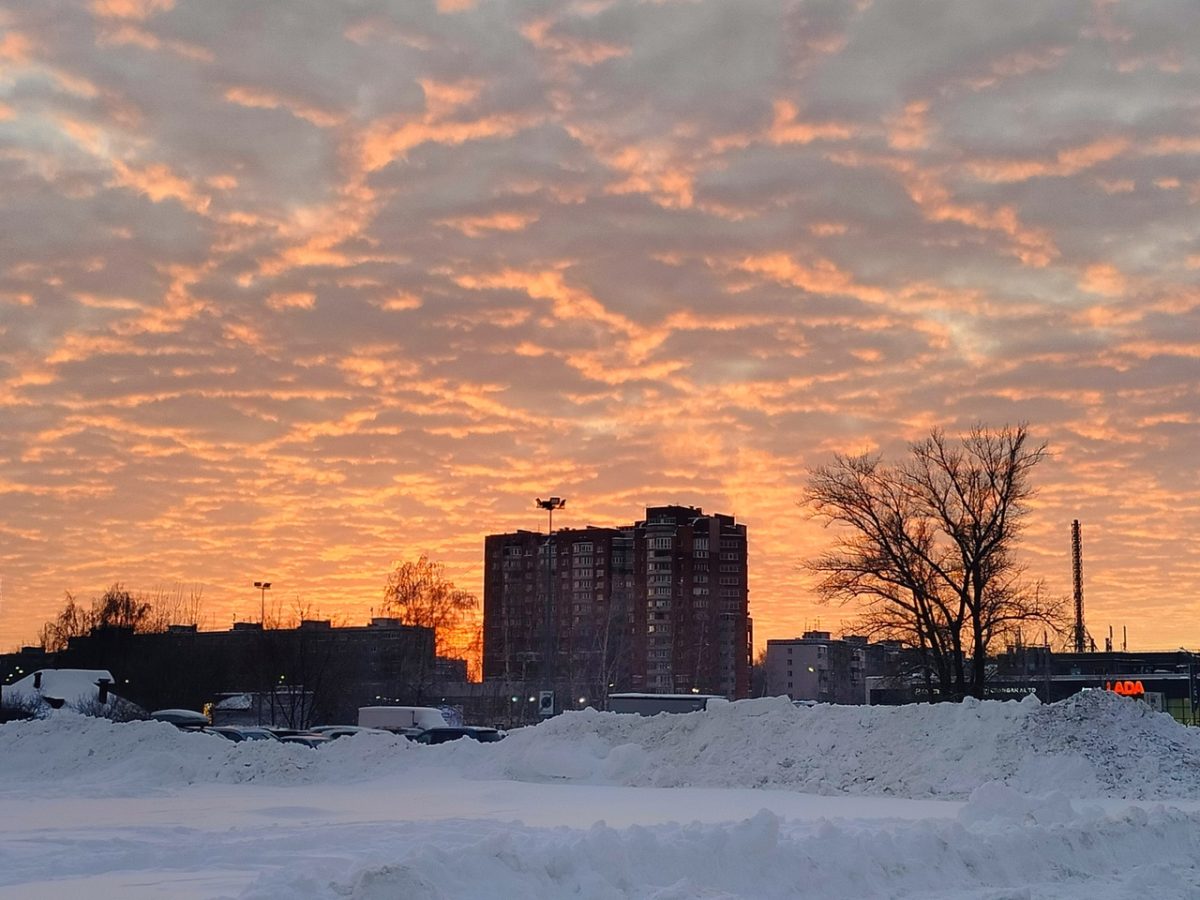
[401, 719]
[652, 704]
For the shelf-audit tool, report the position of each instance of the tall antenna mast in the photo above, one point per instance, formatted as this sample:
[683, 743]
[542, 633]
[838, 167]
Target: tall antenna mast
[1077, 573]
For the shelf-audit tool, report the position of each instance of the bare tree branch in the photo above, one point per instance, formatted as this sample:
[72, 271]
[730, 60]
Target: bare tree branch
[928, 547]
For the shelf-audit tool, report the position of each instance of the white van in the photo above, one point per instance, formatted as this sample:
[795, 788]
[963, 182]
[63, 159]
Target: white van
[401, 719]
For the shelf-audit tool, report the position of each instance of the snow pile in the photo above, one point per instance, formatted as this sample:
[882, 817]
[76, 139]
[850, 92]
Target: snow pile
[1092, 745]
[70, 753]
[1136, 853]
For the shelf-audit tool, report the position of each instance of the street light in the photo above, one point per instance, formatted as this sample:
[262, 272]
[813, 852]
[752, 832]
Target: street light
[550, 504]
[263, 586]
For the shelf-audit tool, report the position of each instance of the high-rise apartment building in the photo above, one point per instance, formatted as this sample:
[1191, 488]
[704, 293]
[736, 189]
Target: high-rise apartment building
[659, 606]
[565, 622]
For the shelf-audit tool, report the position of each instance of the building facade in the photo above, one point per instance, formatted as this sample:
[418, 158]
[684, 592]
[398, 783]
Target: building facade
[660, 605]
[817, 667]
[325, 673]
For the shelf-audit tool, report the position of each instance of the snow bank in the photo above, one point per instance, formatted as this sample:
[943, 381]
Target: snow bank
[1136, 853]
[69, 753]
[1092, 745]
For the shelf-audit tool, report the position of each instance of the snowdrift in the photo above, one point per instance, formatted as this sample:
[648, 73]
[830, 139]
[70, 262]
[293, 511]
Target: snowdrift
[1092, 745]
[1136, 854]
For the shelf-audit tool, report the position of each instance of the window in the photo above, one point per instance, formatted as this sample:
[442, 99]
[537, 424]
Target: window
[658, 543]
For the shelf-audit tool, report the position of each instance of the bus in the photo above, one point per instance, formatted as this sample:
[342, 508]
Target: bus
[652, 704]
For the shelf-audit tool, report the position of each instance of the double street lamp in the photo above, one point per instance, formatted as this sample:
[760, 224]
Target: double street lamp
[550, 504]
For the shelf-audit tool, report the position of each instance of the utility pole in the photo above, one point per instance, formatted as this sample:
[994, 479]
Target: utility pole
[1077, 573]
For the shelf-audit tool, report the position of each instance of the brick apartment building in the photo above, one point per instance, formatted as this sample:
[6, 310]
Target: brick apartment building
[660, 605]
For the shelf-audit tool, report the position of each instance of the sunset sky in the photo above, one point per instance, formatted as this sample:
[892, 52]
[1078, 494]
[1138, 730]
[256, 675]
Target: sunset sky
[291, 290]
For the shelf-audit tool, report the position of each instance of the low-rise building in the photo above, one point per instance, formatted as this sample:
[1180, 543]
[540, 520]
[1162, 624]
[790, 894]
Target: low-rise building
[815, 666]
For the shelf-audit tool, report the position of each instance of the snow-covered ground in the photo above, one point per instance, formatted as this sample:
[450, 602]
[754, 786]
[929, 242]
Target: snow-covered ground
[1096, 797]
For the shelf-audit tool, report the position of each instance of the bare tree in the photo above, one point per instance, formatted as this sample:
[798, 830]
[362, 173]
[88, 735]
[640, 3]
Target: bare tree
[118, 608]
[758, 674]
[418, 593]
[174, 607]
[72, 621]
[929, 546]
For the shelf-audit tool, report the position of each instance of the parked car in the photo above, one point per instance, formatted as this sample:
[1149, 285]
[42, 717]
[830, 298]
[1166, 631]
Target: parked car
[337, 731]
[305, 740]
[454, 733]
[286, 732]
[239, 733]
[181, 718]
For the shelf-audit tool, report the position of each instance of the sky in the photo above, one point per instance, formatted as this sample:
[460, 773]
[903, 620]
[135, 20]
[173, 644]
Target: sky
[293, 290]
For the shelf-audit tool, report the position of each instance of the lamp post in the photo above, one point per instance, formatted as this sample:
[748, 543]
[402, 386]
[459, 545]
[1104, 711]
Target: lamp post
[263, 586]
[550, 504]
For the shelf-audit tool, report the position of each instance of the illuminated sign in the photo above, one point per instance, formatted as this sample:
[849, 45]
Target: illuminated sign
[1125, 688]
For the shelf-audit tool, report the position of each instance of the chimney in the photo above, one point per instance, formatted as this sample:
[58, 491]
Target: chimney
[103, 684]
[37, 681]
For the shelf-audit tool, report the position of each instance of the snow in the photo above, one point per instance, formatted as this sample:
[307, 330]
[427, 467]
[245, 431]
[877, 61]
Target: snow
[72, 686]
[1096, 797]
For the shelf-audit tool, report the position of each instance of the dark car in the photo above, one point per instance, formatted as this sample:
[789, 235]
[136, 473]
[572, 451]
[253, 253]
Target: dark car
[181, 718]
[337, 731]
[238, 734]
[282, 733]
[305, 740]
[453, 733]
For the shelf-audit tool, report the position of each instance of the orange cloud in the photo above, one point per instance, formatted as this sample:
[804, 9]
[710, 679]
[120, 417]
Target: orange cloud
[1065, 163]
[479, 226]
[159, 183]
[1104, 278]
[568, 303]
[130, 9]
[821, 277]
[578, 51]
[911, 129]
[399, 302]
[256, 98]
[15, 47]
[295, 300]
[786, 128]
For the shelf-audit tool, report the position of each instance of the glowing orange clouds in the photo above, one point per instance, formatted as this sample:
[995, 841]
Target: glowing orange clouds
[294, 296]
